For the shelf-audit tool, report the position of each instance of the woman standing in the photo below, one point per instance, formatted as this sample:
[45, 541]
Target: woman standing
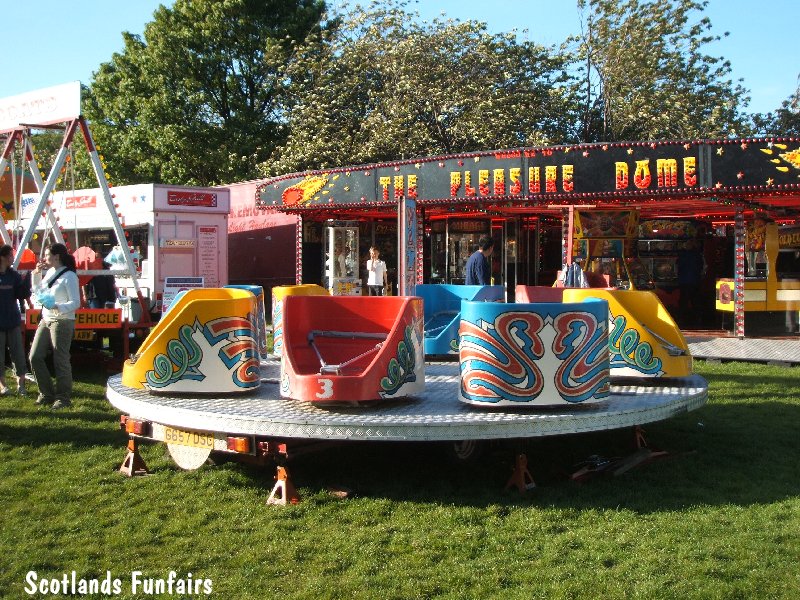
[59, 294]
[13, 288]
[376, 273]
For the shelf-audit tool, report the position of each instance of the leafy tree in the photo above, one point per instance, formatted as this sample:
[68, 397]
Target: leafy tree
[384, 85]
[784, 121]
[200, 98]
[645, 74]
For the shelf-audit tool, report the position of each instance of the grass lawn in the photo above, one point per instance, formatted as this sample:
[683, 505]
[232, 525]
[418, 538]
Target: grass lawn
[720, 518]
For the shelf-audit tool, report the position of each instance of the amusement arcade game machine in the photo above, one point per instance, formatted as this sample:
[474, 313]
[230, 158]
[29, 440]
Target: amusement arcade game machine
[666, 246]
[340, 248]
[605, 245]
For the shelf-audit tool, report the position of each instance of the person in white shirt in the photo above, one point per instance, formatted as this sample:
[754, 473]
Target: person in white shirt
[376, 273]
[58, 291]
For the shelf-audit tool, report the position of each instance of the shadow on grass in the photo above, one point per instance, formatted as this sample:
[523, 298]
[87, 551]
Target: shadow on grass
[45, 428]
[719, 455]
[727, 452]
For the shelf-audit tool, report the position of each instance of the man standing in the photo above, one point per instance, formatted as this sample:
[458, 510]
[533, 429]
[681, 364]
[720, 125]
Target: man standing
[479, 271]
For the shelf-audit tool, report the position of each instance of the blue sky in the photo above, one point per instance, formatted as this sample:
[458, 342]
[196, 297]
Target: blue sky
[56, 41]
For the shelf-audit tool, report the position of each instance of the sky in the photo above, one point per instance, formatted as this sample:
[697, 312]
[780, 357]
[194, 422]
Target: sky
[50, 42]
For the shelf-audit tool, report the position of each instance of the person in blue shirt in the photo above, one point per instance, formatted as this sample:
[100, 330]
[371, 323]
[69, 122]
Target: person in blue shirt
[479, 270]
[690, 276]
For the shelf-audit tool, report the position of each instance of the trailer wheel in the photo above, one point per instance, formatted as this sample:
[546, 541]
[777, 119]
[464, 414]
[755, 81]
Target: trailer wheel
[188, 458]
[466, 451]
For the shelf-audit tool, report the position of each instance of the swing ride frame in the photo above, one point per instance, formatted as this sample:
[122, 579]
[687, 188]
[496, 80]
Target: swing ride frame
[71, 124]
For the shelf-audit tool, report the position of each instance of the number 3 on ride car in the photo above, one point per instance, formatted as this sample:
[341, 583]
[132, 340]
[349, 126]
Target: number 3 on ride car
[327, 388]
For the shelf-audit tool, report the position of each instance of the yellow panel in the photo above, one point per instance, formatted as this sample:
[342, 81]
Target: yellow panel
[643, 312]
[196, 305]
[304, 289]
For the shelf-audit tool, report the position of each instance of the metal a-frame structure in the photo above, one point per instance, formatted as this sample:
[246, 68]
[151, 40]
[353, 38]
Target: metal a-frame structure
[46, 109]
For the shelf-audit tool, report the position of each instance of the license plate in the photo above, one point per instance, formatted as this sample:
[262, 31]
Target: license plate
[195, 439]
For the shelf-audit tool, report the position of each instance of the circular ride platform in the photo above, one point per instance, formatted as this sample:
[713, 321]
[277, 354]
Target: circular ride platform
[437, 415]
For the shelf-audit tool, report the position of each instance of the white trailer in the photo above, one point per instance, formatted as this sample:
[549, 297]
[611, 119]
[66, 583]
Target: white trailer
[172, 231]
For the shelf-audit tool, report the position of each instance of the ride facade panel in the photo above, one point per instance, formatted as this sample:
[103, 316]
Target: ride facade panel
[536, 354]
[206, 343]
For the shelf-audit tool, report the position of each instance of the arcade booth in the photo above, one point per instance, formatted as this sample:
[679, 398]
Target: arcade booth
[770, 294]
[605, 242]
[630, 210]
[171, 231]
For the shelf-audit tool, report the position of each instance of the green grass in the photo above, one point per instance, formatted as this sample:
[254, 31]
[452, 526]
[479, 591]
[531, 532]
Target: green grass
[720, 518]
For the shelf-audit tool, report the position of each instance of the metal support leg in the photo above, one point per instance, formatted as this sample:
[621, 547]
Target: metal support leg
[521, 478]
[638, 437]
[133, 464]
[284, 491]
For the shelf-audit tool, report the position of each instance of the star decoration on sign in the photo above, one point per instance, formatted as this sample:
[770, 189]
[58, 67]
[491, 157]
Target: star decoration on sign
[720, 151]
[744, 145]
[630, 150]
[586, 153]
[687, 146]
[793, 158]
[770, 181]
[740, 175]
[718, 185]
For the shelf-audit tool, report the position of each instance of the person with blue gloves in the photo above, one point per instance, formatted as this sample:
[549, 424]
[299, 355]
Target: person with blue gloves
[58, 292]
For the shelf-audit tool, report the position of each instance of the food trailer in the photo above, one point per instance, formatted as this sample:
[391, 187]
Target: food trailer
[172, 231]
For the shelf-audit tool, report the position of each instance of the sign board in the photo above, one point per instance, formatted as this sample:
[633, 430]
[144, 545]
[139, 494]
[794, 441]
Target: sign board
[41, 107]
[606, 224]
[540, 176]
[175, 243]
[789, 237]
[193, 198]
[407, 278]
[208, 254]
[100, 318]
[74, 202]
[173, 285]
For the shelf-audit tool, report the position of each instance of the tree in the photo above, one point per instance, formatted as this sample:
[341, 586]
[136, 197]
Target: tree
[200, 99]
[383, 85]
[784, 121]
[645, 74]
